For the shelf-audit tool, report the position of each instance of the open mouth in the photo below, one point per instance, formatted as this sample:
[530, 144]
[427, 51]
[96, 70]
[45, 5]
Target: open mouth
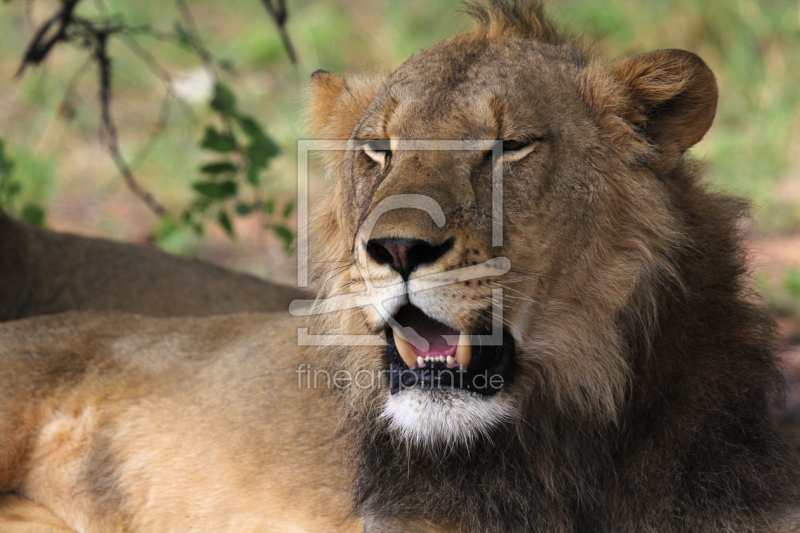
[428, 354]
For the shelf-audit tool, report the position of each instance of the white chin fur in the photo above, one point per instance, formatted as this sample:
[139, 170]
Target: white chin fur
[452, 416]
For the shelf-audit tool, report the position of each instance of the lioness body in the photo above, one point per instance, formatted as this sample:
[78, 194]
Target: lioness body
[46, 272]
[596, 286]
[18, 515]
[152, 427]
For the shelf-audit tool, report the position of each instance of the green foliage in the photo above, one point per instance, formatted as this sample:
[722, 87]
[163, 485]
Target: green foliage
[752, 48]
[782, 293]
[792, 285]
[750, 45]
[285, 234]
[232, 182]
[33, 214]
[10, 188]
[218, 142]
[216, 190]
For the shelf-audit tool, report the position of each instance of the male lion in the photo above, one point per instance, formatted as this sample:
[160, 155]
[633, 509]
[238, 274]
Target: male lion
[619, 381]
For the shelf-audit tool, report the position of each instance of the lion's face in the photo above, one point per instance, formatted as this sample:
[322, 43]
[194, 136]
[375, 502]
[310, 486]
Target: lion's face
[496, 214]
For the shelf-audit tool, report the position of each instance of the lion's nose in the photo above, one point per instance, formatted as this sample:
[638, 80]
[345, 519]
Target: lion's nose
[405, 255]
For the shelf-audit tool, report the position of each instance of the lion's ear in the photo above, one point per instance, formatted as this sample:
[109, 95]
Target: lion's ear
[672, 98]
[337, 105]
[326, 91]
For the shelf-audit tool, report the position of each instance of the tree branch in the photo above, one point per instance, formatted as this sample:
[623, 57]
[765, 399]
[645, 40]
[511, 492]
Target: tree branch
[108, 130]
[279, 15]
[93, 35]
[40, 47]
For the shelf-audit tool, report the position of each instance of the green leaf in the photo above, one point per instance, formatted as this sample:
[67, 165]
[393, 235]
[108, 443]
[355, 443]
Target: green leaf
[13, 188]
[220, 167]
[215, 190]
[243, 209]
[252, 128]
[224, 101]
[218, 142]
[285, 234]
[253, 175]
[33, 215]
[6, 164]
[225, 222]
[258, 156]
[287, 211]
[229, 188]
[199, 204]
[262, 148]
[265, 148]
[269, 206]
[792, 282]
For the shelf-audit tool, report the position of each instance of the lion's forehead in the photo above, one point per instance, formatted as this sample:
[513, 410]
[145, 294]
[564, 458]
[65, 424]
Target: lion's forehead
[442, 95]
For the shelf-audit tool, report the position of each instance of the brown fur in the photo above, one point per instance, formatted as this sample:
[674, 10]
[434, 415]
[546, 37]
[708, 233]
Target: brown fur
[46, 272]
[18, 515]
[644, 370]
[644, 360]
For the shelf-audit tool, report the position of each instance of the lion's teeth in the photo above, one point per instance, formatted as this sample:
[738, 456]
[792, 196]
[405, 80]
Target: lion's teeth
[464, 350]
[404, 349]
[411, 359]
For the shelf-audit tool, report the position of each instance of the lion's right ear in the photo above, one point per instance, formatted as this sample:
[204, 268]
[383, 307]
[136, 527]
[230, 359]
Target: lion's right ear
[336, 106]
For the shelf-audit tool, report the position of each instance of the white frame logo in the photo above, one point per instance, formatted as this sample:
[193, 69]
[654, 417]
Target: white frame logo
[493, 267]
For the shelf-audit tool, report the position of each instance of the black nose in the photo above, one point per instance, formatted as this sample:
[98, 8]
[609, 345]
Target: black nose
[404, 255]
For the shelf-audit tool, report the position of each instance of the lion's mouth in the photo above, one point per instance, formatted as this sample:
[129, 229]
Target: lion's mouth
[424, 353]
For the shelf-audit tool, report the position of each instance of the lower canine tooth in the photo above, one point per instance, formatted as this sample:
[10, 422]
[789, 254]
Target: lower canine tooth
[464, 350]
[404, 349]
[451, 360]
[420, 361]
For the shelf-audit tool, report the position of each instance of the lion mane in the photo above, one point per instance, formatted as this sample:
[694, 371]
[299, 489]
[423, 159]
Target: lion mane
[644, 374]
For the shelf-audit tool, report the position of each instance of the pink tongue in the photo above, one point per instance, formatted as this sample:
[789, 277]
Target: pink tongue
[432, 331]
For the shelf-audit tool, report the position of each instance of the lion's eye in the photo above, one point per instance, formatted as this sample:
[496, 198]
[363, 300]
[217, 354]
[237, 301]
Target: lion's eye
[379, 151]
[514, 150]
[509, 146]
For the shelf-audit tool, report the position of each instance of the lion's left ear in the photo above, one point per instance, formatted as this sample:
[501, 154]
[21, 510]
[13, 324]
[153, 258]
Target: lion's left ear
[672, 98]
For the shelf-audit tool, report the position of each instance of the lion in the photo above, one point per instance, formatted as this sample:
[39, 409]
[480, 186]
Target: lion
[47, 272]
[532, 316]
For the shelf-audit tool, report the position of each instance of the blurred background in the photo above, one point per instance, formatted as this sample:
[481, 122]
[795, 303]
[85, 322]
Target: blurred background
[207, 105]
